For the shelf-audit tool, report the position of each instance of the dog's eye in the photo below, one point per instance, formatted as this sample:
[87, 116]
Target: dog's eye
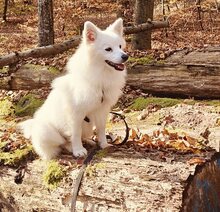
[120, 46]
[109, 49]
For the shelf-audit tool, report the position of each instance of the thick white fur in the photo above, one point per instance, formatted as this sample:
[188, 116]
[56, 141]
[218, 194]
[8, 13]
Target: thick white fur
[60, 121]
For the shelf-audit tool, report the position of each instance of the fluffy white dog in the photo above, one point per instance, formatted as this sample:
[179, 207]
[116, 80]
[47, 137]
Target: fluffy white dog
[83, 97]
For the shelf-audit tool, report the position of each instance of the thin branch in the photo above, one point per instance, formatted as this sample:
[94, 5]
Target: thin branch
[48, 51]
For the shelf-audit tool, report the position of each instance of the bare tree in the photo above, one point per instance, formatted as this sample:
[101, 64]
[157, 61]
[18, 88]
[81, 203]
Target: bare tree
[217, 5]
[5, 10]
[143, 12]
[198, 6]
[46, 26]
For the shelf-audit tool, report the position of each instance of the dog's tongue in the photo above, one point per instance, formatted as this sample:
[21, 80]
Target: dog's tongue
[120, 67]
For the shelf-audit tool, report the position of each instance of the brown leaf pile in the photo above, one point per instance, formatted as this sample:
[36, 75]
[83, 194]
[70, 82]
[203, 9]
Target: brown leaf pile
[11, 140]
[164, 140]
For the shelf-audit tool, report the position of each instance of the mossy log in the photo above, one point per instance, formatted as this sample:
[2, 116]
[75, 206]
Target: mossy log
[167, 80]
[175, 80]
[44, 51]
[29, 76]
[119, 181]
[183, 74]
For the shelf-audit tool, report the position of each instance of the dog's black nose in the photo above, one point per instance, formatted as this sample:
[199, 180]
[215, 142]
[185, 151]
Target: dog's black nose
[124, 57]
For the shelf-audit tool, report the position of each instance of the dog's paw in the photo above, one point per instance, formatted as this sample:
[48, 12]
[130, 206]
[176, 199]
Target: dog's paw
[79, 152]
[104, 145]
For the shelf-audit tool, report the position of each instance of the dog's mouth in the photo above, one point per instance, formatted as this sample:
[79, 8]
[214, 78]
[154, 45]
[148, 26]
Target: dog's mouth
[116, 66]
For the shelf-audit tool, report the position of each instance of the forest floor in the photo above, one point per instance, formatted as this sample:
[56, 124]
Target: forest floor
[167, 131]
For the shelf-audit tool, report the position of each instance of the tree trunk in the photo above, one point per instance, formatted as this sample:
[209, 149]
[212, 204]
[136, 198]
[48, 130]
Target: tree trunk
[143, 12]
[45, 27]
[217, 4]
[198, 5]
[5, 10]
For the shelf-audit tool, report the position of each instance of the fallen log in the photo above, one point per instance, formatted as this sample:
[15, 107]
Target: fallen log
[200, 81]
[194, 74]
[44, 51]
[123, 180]
[120, 181]
[27, 77]
[184, 74]
[177, 80]
[203, 189]
[48, 51]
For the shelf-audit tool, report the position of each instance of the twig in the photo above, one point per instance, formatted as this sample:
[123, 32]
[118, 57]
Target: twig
[87, 161]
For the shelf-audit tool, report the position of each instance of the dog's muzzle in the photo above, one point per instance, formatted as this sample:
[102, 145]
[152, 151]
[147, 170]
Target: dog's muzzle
[118, 66]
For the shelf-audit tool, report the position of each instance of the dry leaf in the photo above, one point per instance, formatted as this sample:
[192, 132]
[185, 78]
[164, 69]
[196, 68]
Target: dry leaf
[196, 160]
[191, 140]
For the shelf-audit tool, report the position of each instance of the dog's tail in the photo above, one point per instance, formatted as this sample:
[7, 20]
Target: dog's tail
[26, 127]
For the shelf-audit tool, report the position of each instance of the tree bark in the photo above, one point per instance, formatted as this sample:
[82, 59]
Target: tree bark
[44, 51]
[195, 74]
[217, 4]
[169, 80]
[198, 6]
[5, 10]
[202, 191]
[45, 26]
[143, 12]
[28, 77]
[145, 27]
[184, 74]
[119, 181]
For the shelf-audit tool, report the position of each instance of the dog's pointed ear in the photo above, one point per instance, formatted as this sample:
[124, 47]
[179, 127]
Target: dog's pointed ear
[117, 27]
[90, 32]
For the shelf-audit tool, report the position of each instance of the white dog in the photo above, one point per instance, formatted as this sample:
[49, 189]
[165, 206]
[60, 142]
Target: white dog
[83, 97]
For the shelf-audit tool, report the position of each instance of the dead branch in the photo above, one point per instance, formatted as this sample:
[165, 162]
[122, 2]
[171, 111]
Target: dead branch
[47, 51]
[43, 51]
[146, 26]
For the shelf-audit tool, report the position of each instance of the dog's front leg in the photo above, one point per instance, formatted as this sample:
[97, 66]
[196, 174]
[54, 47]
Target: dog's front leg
[100, 122]
[76, 137]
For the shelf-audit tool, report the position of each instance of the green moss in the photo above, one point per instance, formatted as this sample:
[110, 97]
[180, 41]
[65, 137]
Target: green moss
[215, 103]
[39, 68]
[91, 170]
[53, 70]
[2, 144]
[101, 153]
[53, 174]
[14, 158]
[33, 66]
[5, 69]
[161, 62]
[141, 103]
[212, 102]
[141, 60]
[6, 107]
[27, 105]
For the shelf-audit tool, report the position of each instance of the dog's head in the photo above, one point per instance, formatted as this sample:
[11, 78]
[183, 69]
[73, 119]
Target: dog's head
[107, 45]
